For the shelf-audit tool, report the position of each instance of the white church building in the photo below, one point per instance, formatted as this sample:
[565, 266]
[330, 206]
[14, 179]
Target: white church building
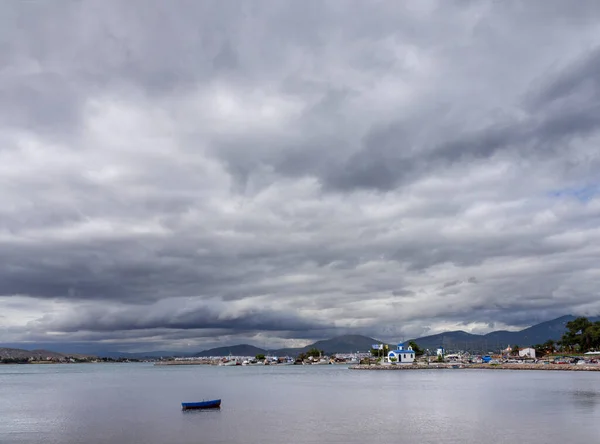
[401, 355]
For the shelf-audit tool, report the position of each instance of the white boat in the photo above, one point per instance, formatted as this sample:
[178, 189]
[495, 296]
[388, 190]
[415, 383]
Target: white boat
[229, 362]
[321, 362]
[353, 360]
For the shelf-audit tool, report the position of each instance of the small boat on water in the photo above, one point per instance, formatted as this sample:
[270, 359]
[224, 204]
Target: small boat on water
[213, 404]
[230, 361]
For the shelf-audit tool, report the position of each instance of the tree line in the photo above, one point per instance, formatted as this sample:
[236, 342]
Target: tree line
[582, 335]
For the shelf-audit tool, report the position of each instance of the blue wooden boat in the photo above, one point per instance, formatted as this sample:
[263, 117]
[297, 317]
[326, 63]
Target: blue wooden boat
[213, 404]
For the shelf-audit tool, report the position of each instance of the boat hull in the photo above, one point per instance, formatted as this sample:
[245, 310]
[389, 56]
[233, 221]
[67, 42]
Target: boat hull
[214, 404]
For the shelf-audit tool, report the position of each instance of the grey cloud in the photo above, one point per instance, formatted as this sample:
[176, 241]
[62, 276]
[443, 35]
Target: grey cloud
[450, 284]
[98, 319]
[581, 78]
[312, 168]
[387, 161]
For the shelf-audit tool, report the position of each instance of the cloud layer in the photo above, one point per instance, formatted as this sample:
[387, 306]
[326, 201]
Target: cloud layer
[184, 174]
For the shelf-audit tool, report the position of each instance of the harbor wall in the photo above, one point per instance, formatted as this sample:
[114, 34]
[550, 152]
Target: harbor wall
[555, 367]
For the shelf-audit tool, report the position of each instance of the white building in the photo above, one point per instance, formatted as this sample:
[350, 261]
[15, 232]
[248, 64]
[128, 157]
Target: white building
[402, 355]
[527, 352]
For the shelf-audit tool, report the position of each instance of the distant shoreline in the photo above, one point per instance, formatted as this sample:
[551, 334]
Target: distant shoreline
[554, 367]
[183, 363]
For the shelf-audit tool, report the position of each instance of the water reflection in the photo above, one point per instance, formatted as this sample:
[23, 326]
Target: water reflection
[141, 403]
[586, 400]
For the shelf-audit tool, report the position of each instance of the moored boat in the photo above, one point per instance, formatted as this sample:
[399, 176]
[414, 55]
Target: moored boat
[212, 404]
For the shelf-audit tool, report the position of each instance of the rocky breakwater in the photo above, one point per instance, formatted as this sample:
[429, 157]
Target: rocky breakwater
[437, 366]
[403, 366]
[556, 367]
[194, 362]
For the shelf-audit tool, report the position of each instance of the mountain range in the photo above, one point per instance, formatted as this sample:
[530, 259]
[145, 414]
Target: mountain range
[496, 340]
[18, 353]
[340, 344]
[452, 340]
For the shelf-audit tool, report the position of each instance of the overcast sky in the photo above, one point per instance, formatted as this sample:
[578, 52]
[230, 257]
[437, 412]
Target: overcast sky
[187, 174]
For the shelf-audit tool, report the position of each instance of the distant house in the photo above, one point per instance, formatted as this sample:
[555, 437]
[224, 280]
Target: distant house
[402, 355]
[527, 352]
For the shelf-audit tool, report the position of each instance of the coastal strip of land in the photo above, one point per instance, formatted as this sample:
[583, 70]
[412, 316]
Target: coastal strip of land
[555, 367]
[194, 362]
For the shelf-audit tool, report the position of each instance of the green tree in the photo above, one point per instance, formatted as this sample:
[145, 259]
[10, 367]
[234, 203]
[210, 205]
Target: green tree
[418, 350]
[380, 353]
[315, 353]
[515, 349]
[260, 357]
[547, 348]
[591, 337]
[574, 338]
[581, 335]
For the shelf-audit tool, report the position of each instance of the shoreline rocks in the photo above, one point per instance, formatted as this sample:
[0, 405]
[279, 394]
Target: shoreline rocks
[436, 366]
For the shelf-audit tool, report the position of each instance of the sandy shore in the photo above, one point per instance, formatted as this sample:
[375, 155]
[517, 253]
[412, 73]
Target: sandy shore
[557, 367]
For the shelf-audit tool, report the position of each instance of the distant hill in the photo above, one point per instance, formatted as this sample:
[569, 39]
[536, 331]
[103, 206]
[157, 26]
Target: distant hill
[342, 344]
[142, 355]
[234, 350]
[453, 340]
[496, 340]
[18, 353]
[449, 340]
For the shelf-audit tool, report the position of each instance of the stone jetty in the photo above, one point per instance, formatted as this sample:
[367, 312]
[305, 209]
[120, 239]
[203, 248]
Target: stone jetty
[195, 362]
[437, 366]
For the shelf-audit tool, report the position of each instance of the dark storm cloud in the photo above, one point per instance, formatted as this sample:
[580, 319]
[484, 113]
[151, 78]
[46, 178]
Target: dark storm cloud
[385, 160]
[578, 80]
[98, 319]
[279, 171]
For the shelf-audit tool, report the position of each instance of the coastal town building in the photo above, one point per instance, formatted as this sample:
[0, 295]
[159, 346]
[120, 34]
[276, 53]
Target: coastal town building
[402, 355]
[527, 352]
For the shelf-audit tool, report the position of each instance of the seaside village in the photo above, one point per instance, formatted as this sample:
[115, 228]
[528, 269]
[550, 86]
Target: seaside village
[400, 355]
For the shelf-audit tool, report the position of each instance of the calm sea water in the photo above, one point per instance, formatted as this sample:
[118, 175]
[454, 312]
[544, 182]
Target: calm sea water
[140, 403]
